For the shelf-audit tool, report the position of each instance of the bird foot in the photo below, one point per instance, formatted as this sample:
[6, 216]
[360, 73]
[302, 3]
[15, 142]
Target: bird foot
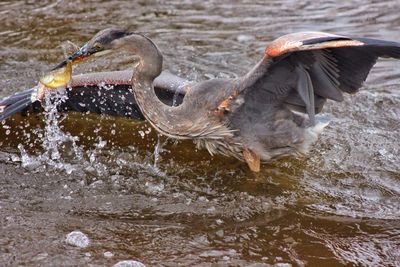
[252, 159]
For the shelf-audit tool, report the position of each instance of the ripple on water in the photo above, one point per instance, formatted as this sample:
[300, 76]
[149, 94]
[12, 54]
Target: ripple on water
[171, 204]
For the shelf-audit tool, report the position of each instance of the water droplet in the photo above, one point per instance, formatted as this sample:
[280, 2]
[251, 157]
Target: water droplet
[141, 134]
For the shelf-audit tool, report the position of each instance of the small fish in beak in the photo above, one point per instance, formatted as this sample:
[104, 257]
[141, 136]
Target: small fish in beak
[59, 76]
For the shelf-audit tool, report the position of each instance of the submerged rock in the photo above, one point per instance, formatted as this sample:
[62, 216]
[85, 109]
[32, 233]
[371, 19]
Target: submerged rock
[78, 239]
[108, 254]
[129, 263]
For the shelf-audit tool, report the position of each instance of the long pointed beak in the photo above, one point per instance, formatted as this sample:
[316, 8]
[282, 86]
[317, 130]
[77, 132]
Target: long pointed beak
[60, 75]
[76, 58]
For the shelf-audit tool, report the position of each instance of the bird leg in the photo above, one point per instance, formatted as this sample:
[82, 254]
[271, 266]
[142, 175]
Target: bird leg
[252, 159]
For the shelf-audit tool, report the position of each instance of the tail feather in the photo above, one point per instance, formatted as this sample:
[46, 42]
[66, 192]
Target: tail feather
[16, 103]
[18, 96]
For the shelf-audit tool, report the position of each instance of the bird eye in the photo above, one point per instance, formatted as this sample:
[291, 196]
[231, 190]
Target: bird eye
[97, 46]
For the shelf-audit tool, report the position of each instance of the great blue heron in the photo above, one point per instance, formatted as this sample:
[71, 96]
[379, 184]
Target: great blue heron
[255, 117]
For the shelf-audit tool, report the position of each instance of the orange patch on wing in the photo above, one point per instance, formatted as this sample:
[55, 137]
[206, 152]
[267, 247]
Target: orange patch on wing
[224, 106]
[338, 44]
[273, 51]
[279, 48]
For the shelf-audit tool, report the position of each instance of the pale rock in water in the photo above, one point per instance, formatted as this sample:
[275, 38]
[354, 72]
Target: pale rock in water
[78, 239]
[129, 263]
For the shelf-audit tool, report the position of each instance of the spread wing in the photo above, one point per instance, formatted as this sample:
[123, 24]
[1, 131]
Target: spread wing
[302, 70]
[103, 93]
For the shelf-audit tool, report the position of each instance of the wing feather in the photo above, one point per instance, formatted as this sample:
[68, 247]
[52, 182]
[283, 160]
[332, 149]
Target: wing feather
[302, 70]
[103, 93]
[306, 91]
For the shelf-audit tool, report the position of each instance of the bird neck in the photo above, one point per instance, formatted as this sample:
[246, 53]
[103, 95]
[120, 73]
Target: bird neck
[168, 120]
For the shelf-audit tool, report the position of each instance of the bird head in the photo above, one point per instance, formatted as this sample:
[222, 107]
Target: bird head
[102, 43]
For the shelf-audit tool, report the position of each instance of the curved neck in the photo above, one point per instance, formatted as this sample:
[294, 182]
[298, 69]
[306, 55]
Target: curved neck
[166, 119]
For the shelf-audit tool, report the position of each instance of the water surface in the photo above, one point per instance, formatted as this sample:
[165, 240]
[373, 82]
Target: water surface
[338, 206]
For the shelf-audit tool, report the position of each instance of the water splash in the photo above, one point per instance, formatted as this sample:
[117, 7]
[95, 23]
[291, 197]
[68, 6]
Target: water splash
[94, 164]
[55, 141]
[62, 151]
[157, 150]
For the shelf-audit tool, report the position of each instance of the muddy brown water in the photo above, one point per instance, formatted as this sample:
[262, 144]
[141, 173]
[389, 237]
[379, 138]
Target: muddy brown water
[338, 206]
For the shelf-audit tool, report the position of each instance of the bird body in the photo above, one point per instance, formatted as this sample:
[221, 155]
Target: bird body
[252, 118]
[252, 133]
